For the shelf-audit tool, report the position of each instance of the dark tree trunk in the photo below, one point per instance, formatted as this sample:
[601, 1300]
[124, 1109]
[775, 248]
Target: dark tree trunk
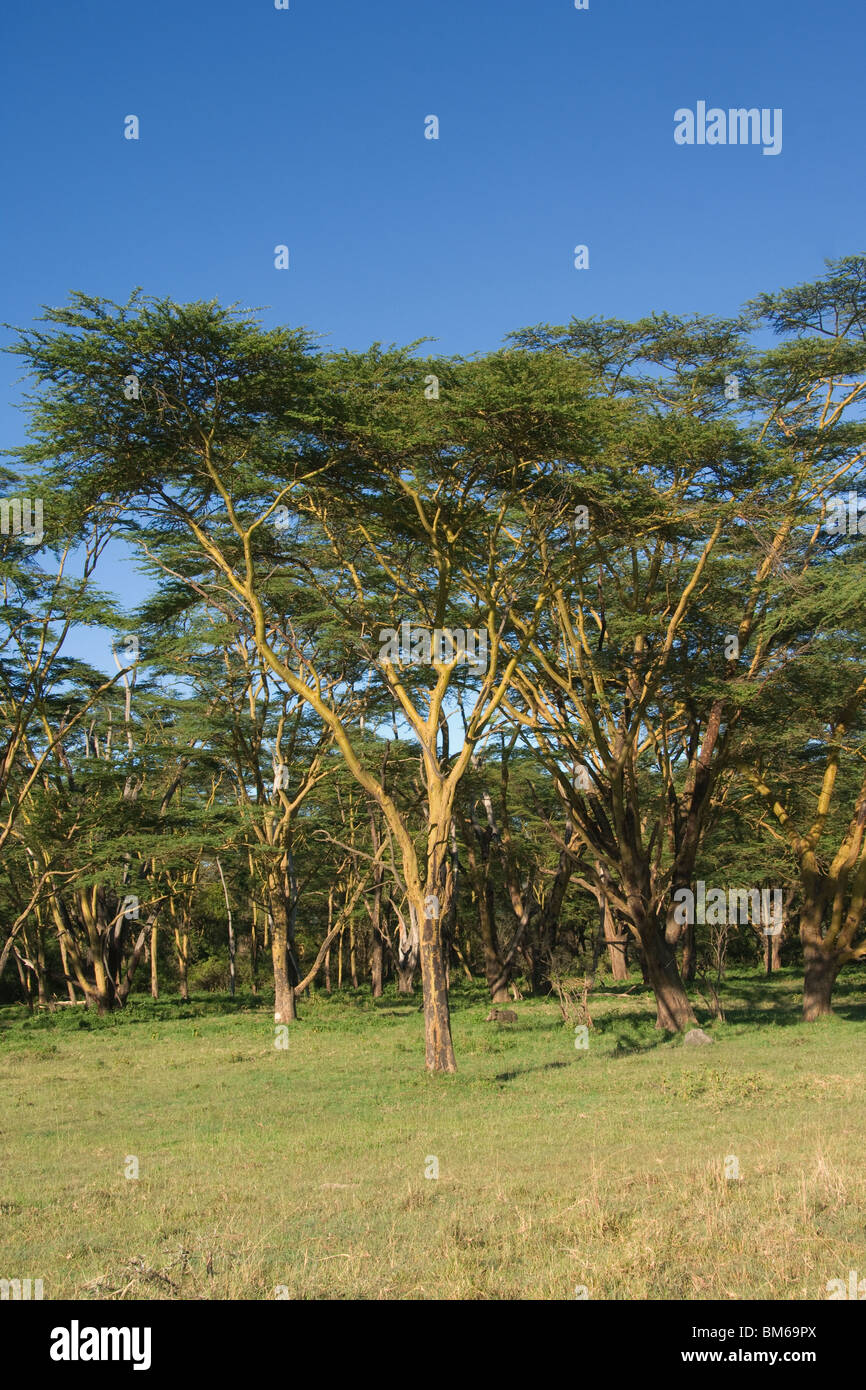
[26, 987]
[820, 966]
[64, 961]
[106, 1000]
[376, 963]
[641, 960]
[477, 842]
[353, 956]
[254, 955]
[497, 976]
[377, 952]
[821, 970]
[690, 955]
[674, 1013]
[548, 925]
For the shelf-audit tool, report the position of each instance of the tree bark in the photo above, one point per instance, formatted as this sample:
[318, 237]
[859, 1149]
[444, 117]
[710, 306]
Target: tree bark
[617, 945]
[821, 970]
[154, 970]
[378, 950]
[70, 988]
[674, 1012]
[479, 874]
[182, 969]
[820, 965]
[254, 953]
[231, 931]
[548, 926]
[439, 1049]
[39, 960]
[497, 975]
[376, 964]
[690, 954]
[408, 947]
[285, 1010]
[353, 956]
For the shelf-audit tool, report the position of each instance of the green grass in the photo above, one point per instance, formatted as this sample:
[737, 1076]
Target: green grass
[305, 1168]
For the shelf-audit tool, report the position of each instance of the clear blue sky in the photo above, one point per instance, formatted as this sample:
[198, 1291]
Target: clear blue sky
[306, 127]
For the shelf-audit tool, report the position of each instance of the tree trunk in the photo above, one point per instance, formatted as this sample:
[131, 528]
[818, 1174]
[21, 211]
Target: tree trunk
[138, 950]
[641, 960]
[106, 1000]
[285, 1010]
[353, 956]
[821, 970]
[548, 926]
[690, 954]
[378, 951]
[477, 841]
[70, 988]
[376, 963]
[26, 986]
[328, 952]
[674, 1013]
[182, 972]
[407, 953]
[820, 966]
[181, 950]
[497, 976]
[231, 932]
[254, 953]
[39, 960]
[617, 945]
[439, 1049]
[154, 970]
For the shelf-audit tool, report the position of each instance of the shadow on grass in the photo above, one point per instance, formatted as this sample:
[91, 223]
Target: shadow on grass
[634, 1035]
[138, 1011]
[777, 999]
[524, 1071]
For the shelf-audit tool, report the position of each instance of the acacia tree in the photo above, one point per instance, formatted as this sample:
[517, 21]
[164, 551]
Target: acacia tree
[810, 782]
[407, 504]
[824, 328]
[505, 792]
[666, 621]
[94, 824]
[259, 736]
[44, 693]
[322, 503]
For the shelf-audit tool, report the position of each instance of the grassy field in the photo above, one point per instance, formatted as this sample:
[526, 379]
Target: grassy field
[304, 1168]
